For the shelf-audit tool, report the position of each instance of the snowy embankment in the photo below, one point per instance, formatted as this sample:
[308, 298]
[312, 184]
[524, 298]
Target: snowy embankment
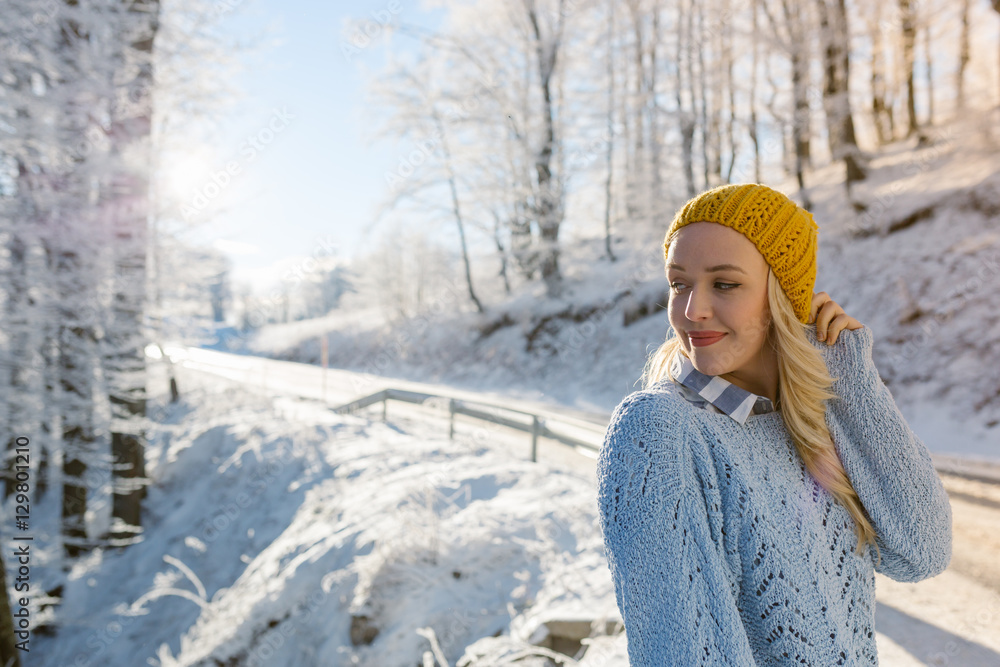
[279, 533]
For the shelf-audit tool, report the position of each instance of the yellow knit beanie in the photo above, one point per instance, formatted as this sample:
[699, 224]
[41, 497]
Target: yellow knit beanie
[784, 233]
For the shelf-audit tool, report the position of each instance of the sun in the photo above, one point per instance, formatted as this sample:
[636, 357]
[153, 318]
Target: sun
[185, 174]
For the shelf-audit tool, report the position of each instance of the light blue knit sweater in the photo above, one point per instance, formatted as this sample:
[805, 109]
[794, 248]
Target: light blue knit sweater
[724, 550]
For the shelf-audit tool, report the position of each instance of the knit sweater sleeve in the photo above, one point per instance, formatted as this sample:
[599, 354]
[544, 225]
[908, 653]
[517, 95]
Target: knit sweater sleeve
[888, 465]
[671, 581]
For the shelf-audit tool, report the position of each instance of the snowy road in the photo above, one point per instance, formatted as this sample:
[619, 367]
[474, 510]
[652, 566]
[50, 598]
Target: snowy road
[340, 387]
[951, 619]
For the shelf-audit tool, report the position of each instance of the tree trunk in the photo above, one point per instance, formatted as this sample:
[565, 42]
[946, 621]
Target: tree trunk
[703, 95]
[753, 93]
[25, 321]
[963, 55]
[655, 140]
[686, 117]
[929, 71]
[18, 332]
[9, 656]
[727, 41]
[831, 90]
[69, 246]
[881, 109]
[800, 92]
[521, 242]
[548, 209]
[77, 362]
[800, 121]
[456, 209]
[836, 89]
[639, 177]
[716, 102]
[128, 208]
[996, 6]
[795, 42]
[608, 250]
[501, 251]
[908, 24]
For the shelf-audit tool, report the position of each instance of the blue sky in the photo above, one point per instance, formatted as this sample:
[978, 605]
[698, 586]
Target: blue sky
[316, 182]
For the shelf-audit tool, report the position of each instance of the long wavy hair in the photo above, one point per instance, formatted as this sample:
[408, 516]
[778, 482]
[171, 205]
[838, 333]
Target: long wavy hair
[804, 386]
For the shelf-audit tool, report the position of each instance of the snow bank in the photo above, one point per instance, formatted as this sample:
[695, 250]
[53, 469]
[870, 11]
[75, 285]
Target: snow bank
[279, 531]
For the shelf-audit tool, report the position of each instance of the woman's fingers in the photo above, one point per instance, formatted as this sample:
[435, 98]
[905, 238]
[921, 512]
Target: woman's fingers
[837, 324]
[817, 302]
[830, 318]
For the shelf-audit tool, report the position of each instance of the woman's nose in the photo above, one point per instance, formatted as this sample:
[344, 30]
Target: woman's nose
[699, 304]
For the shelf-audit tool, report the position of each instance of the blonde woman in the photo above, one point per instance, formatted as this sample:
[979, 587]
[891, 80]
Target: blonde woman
[742, 489]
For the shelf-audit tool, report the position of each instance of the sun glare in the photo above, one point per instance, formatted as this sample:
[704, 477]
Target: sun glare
[185, 175]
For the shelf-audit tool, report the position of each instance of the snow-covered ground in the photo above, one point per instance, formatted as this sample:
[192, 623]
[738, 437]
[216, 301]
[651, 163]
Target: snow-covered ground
[277, 530]
[274, 523]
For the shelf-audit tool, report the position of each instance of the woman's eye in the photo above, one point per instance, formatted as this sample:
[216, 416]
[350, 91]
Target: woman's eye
[725, 287]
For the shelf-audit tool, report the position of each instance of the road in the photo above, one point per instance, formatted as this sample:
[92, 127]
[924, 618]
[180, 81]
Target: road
[950, 619]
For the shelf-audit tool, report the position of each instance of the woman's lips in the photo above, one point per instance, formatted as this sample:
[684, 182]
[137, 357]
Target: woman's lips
[702, 341]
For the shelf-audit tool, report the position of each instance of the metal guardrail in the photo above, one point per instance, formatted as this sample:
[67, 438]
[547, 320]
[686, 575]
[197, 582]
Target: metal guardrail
[534, 424]
[538, 427]
[969, 467]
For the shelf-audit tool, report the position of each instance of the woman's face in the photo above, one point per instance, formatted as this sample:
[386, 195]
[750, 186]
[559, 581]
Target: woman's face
[706, 296]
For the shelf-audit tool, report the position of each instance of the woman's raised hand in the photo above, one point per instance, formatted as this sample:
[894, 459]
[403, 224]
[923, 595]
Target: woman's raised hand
[830, 318]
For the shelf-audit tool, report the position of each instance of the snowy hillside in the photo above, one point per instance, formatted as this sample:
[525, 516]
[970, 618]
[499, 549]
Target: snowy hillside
[914, 254]
[278, 532]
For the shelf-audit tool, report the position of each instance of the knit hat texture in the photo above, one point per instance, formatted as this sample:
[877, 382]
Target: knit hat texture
[784, 233]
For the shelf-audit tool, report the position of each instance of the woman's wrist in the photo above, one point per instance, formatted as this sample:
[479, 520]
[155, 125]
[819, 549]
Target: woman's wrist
[850, 356]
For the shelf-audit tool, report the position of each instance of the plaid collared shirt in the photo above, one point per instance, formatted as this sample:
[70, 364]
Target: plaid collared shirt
[717, 394]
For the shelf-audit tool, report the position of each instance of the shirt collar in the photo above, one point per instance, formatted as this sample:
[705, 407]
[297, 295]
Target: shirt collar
[734, 401]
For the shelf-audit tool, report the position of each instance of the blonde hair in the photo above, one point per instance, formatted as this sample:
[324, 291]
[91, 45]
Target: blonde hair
[803, 388]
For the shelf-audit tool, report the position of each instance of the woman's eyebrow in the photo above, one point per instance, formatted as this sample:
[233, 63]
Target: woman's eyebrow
[720, 267]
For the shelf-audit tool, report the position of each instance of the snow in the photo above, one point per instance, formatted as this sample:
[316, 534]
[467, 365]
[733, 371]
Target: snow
[273, 521]
[275, 525]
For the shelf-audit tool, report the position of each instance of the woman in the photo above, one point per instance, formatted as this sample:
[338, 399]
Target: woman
[741, 490]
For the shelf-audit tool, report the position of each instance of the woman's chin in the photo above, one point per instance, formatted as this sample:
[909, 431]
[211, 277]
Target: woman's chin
[704, 362]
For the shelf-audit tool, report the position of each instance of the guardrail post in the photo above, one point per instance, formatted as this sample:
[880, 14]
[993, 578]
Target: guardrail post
[325, 358]
[534, 438]
[538, 426]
